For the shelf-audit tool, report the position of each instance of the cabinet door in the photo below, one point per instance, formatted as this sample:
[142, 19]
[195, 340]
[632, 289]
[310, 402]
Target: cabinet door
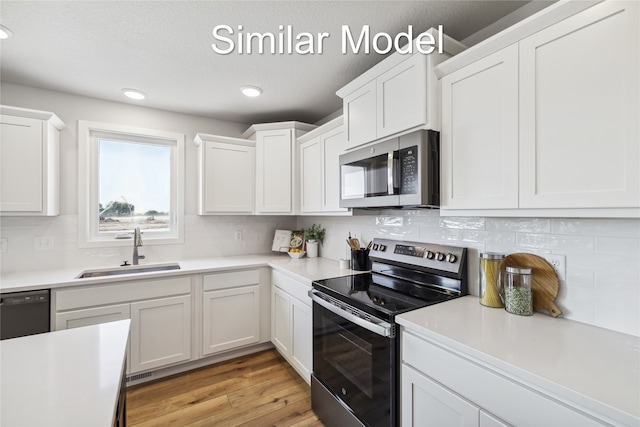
[91, 316]
[311, 176]
[479, 139]
[274, 165]
[333, 145]
[579, 107]
[426, 403]
[160, 332]
[229, 178]
[21, 164]
[360, 115]
[402, 96]
[490, 420]
[231, 318]
[301, 338]
[280, 320]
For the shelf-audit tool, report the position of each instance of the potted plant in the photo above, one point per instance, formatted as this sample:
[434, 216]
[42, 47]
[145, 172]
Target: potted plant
[313, 236]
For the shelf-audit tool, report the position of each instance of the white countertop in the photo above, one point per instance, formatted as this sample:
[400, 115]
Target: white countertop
[64, 378]
[305, 269]
[583, 365]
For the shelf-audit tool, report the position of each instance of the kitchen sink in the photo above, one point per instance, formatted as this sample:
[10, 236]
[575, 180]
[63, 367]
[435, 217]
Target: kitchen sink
[130, 269]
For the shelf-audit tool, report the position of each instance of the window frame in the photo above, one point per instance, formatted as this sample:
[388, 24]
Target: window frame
[89, 135]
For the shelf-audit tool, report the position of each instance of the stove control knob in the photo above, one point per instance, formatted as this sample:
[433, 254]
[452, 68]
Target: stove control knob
[451, 258]
[381, 301]
[429, 255]
[439, 256]
[375, 246]
[383, 248]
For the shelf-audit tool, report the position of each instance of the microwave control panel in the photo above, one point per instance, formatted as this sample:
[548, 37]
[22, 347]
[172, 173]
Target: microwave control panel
[409, 170]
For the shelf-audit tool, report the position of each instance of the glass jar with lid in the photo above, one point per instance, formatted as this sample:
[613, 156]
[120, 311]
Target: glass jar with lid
[516, 289]
[490, 264]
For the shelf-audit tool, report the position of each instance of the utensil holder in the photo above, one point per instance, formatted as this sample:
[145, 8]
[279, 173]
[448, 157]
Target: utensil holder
[360, 260]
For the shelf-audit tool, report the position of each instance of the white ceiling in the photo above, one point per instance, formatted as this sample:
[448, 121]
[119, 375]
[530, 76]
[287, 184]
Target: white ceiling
[96, 48]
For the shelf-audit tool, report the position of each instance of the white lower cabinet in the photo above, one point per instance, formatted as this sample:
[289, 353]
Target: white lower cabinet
[488, 420]
[280, 320]
[427, 403]
[440, 387]
[301, 337]
[160, 332]
[291, 322]
[160, 313]
[231, 311]
[235, 310]
[92, 316]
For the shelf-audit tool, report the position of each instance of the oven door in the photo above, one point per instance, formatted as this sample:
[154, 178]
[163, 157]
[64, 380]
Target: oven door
[355, 359]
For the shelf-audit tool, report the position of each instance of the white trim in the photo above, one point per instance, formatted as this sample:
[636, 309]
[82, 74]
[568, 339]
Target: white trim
[88, 183]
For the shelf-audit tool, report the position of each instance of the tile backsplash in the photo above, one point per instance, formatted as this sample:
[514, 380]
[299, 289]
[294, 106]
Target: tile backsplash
[205, 236]
[602, 285]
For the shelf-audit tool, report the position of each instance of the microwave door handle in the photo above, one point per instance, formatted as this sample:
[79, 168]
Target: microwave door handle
[390, 173]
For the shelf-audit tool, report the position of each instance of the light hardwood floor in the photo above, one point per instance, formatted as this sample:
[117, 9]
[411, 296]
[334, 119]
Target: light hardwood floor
[256, 390]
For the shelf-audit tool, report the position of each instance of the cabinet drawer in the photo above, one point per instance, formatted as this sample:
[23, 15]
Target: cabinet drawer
[293, 287]
[122, 292]
[231, 279]
[509, 400]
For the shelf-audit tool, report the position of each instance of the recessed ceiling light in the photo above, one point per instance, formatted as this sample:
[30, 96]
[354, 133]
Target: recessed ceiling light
[134, 94]
[251, 91]
[5, 33]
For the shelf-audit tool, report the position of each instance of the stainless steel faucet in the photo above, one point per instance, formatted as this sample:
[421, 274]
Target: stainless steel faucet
[137, 241]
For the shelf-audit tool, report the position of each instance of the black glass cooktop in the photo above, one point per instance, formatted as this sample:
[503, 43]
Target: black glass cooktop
[380, 295]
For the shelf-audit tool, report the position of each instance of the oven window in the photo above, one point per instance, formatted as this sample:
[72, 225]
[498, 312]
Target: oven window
[349, 355]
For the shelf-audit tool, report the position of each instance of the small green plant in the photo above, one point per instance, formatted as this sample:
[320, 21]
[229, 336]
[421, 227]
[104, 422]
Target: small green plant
[316, 232]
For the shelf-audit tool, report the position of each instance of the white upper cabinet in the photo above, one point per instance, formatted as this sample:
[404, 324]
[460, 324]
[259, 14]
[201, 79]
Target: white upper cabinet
[277, 166]
[360, 115]
[226, 175]
[543, 126]
[401, 102]
[311, 176]
[399, 94]
[479, 150]
[579, 138]
[320, 150]
[29, 162]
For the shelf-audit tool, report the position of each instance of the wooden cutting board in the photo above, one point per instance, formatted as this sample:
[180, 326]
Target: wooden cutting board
[544, 284]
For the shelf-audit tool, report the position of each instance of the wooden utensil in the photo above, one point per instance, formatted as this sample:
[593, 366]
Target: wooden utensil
[353, 243]
[544, 283]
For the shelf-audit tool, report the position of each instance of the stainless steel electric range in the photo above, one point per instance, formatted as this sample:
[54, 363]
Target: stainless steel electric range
[356, 360]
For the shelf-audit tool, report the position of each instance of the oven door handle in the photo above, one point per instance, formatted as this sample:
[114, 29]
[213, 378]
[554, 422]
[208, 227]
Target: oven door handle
[380, 327]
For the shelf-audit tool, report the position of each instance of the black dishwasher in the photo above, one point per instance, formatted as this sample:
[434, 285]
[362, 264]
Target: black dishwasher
[24, 313]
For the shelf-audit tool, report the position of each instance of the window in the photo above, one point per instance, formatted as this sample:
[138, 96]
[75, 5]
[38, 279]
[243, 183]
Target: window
[129, 178]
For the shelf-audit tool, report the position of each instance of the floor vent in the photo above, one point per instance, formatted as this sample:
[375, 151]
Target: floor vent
[139, 376]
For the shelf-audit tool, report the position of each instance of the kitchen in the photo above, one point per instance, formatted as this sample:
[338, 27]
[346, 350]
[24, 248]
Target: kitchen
[601, 270]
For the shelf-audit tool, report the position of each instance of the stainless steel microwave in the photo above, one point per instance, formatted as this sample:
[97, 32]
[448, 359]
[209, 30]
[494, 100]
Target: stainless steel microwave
[398, 172]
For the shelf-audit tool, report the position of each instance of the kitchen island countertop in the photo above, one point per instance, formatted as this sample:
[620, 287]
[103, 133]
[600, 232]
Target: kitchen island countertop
[590, 368]
[64, 378]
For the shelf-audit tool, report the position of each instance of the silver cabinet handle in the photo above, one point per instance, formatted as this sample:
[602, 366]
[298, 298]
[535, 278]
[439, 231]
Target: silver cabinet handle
[379, 327]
